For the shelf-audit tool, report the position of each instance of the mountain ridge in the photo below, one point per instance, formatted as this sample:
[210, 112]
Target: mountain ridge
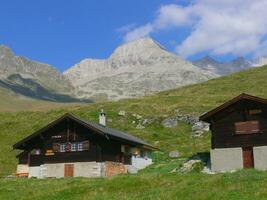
[222, 68]
[33, 79]
[136, 68]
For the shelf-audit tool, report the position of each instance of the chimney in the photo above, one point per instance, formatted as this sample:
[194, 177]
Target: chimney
[102, 118]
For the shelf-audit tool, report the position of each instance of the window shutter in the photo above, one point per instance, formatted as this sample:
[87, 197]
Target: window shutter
[240, 127]
[248, 127]
[254, 126]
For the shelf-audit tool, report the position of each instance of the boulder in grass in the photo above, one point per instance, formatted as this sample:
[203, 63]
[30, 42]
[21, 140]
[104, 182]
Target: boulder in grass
[122, 113]
[174, 154]
[169, 122]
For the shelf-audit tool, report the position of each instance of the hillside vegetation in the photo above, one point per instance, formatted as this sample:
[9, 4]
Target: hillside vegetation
[156, 182]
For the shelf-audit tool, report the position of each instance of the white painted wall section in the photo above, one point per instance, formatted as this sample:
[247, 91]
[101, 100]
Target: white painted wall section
[226, 159]
[260, 157]
[141, 163]
[34, 172]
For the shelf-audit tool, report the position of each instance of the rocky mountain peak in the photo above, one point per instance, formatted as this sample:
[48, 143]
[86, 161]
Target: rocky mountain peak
[141, 52]
[5, 52]
[136, 68]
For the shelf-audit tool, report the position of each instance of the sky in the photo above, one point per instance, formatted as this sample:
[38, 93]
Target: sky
[63, 32]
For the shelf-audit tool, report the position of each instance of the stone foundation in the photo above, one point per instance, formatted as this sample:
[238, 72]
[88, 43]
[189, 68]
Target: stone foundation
[22, 169]
[114, 168]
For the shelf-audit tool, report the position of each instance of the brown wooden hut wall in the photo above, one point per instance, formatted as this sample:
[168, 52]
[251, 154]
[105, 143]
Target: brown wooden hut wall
[223, 126]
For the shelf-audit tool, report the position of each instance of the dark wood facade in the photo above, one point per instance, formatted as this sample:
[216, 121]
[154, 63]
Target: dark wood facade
[44, 146]
[241, 122]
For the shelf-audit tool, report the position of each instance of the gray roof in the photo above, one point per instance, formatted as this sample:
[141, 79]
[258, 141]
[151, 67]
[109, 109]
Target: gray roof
[105, 131]
[114, 132]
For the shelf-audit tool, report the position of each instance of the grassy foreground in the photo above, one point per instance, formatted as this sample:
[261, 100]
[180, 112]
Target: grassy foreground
[246, 184]
[157, 181]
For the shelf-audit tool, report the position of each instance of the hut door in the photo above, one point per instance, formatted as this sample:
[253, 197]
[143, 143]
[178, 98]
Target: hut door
[68, 170]
[248, 160]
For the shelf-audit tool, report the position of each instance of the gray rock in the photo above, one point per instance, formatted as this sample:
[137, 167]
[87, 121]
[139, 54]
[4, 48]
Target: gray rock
[140, 126]
[199, 128]
[190, 165]
[131, 169]
[147, 121]
[169, 122]
[138, 117]
[174, 154]
[122, 113]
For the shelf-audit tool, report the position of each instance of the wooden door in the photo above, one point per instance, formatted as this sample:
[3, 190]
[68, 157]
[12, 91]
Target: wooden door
[68, 170]
[248, 160]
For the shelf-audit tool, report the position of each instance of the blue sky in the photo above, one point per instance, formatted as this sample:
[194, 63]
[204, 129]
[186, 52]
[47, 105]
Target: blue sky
[63, 32]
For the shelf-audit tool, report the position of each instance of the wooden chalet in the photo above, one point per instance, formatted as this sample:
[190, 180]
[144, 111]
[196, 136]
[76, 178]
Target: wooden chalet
[239, 134]
[70, 146]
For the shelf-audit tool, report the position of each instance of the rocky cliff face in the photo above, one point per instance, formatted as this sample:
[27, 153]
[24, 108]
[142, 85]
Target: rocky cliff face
[208, 63]
[33, 79]
[137, 68]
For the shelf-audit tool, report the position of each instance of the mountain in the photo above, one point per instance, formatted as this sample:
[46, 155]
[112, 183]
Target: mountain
[220, 68]
[136, 68]
[33, 79]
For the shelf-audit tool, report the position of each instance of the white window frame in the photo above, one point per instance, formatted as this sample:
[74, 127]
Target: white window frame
[62, 148]
[80, 146]
[74, 147]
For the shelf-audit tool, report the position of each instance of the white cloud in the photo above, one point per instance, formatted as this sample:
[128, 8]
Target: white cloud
[126, 28]
[220, 27]
[139, 32]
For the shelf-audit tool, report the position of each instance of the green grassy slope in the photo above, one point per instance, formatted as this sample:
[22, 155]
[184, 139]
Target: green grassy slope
[156, 182]
[10, 102]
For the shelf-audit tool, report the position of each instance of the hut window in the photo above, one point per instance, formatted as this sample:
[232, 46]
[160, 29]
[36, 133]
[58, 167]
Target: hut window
[74, 147]
[83, 146]
[62, 147]
[80, 146]
[248, 127]
[255, 111]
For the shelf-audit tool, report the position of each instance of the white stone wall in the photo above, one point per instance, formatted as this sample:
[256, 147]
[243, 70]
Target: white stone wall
[81, 169]
[260, 157]
[141, 163]
[87, 169]
[226, 159]
[34, 172]
[54, 170]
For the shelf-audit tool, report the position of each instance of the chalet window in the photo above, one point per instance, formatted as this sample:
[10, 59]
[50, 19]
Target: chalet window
[255, 111]
[62, 147]
[83, 146]
[74, 147]
[80, 146]
[248, 127]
